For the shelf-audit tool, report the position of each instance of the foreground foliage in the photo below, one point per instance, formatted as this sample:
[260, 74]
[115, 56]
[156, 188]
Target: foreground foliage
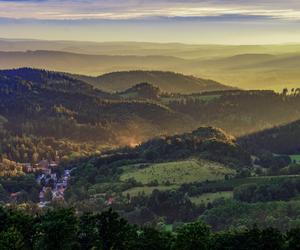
[62, 229]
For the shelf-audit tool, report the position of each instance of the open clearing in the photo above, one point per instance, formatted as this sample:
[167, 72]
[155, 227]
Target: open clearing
[147, 190]
[179, 172]
[205, 98]
[295, 158]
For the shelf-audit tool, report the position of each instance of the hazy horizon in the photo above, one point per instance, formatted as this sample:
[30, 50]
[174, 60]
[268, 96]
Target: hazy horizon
[144, 41]
[191, 22]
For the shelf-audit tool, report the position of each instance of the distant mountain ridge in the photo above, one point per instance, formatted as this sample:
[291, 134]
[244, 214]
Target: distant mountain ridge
[85, 63]
[247, 67]
[167, 81]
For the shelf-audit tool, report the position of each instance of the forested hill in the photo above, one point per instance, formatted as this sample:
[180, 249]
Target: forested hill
[280, 139]
[167, 81]
[207, 142]
[54, 81]
[48, 104]
[142, 90]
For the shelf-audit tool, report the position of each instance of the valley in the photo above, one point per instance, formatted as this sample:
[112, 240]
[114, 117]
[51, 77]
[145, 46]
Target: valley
[149, 125]
[160, 148]
[243, 66]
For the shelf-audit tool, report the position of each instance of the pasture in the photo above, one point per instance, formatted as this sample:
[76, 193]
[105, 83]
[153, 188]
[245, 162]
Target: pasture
[178, 172]
[147, 190]
[200, 97]
[295, 158]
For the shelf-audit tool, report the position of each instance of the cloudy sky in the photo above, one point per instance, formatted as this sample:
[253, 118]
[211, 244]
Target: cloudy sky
[189, 21]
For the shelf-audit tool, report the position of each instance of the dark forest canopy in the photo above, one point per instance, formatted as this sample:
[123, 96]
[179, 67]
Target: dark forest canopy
[62, 229]
[280, 140]
[38, 103]
[48, 104]
[47, 115]
[241, 112]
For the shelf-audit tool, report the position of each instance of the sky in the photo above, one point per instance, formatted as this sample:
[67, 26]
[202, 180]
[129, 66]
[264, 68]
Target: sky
[186, 21]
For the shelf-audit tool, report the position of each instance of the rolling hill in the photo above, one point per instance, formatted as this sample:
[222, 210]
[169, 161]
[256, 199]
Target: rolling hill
[159, 166]
[247, 67]
[206, 142]
[187, 51]
[46, 103]
[83, 63]
[167, 81]
[54, 81]
[280, 139]
[253, 71]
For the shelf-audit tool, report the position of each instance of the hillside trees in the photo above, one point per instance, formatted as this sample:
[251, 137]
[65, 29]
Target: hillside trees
[284, 190]
[62, 229]
[193, 236]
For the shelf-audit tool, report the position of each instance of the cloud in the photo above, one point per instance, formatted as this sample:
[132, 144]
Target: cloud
[145, 9]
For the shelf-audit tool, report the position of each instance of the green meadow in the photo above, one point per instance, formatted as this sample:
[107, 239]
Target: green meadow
[178, 172]
[147, 190]
[295, 158]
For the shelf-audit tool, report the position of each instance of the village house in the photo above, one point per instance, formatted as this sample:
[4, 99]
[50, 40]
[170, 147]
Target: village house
[42, 196]
[14, 196]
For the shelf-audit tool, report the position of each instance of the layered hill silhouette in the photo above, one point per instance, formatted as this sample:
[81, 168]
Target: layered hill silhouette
[84, 63]
[53, 81]
[250, 67]
[167, 81]
[46, 103]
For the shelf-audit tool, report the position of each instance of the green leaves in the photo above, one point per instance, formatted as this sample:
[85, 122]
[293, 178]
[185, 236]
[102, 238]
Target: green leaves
[193, 236]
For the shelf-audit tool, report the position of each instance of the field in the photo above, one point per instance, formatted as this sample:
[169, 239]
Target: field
[206, 98]
[224, 188]
[147, 190]
[229, 185]
[209, 197]
[130, 95]
[295, 158]
[179, 172]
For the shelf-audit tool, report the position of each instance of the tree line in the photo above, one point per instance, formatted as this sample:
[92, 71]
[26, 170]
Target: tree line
[62, 229]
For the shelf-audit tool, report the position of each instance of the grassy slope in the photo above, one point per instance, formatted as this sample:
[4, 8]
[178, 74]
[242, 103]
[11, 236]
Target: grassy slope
[147, 190]
[233, 183]
[295, 158]
[202, 97]
[179, 172]
[176, 173]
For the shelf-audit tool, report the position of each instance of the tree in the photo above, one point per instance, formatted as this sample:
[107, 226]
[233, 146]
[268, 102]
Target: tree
[57, 230]
[293, 238]
[3, 194]
[88, 234]
[272, 238]
[11, 239]
[152, 239]
[285, 92]
[114, 232]
[194, 236]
